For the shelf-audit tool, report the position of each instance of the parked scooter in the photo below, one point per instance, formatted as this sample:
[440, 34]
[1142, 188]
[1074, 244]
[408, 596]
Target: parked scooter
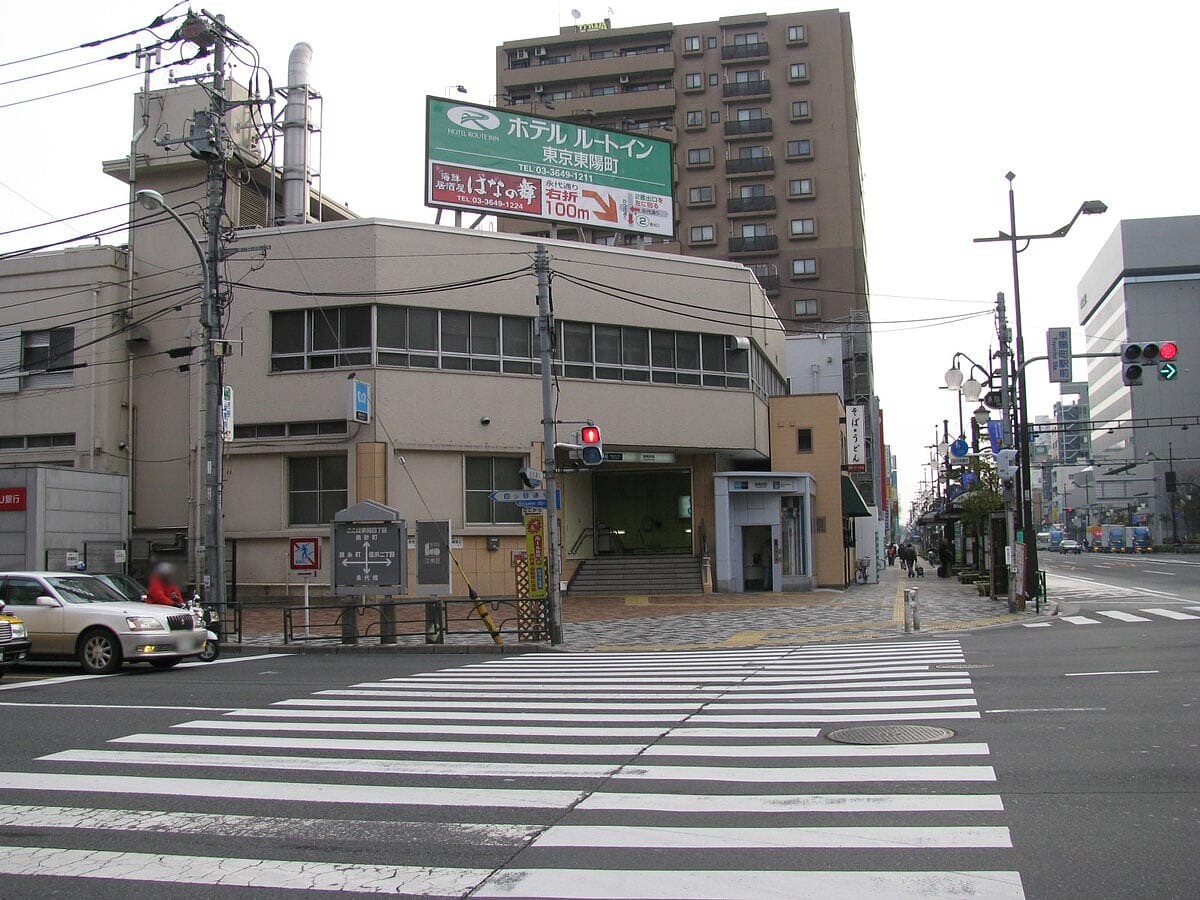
[207, 615]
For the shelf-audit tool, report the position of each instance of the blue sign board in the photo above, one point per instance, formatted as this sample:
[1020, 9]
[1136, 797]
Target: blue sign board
[358, 408]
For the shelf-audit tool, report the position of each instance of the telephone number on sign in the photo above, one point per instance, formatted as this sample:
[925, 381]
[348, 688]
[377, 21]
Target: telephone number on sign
[474, 200]
[566, 174]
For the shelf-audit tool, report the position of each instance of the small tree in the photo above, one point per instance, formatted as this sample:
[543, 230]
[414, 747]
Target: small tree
[985, 498]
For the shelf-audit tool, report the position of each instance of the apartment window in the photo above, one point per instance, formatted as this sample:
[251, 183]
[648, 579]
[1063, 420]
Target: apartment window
[484, 474]
[754, 229]
[804, 268]
[749, 113]
[316, 488]
[804, 308]
[700, 195]
[603, 90]
[555, 60]
[752, 190]
[744, 76]
[693, 81]
[804, 442]
[712, 43]
[48, 357]
[800, 187]
[799, 149]
[700, 156]
[695, 118]
[702, 234]
[797, 34]
[602, 54]
[556, 95]
[752, 151]
[801, 110]
[803, 227]
[714, 80]
[740, 39]
[798, 72]
[714, 117]
[691, 45]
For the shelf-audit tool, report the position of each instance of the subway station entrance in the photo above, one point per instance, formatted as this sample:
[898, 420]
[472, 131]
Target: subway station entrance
[642, 511]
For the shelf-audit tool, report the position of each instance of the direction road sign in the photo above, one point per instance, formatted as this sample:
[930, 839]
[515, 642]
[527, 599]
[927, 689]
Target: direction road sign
[1058, 353]
[530, 498]
[1168, 371]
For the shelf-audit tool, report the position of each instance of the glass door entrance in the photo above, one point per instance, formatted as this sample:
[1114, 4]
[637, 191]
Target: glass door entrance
[643, 511]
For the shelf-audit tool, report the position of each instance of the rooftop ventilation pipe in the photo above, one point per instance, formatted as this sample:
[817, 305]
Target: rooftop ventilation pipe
[295, 138]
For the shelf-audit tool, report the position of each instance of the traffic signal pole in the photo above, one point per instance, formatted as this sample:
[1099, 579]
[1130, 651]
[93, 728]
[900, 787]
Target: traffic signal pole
[545, 326]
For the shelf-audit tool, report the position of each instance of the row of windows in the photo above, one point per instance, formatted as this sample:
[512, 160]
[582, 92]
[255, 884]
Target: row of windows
[47, 359]
[797, 188]
[484, 342]
[797, 228]
[317, 488]
[290, 429]
[798, 73]
[523, 58]
[796, 34]
[702, 157]
[801, 110]
[37, 441]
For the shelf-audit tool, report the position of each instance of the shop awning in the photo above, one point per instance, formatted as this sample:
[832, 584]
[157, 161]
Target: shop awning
[853, 504]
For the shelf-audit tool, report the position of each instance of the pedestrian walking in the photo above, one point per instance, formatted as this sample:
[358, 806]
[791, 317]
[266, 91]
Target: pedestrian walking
[891, 554]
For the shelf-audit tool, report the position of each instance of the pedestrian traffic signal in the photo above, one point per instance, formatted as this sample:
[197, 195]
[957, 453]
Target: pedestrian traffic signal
[1136, 358]
[593, 446]
[1006, 464]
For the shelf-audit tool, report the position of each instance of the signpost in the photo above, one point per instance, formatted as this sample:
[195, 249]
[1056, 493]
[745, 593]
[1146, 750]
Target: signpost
[370, 556]
[227, 413]
[489, 160]
[856, 438]
[1058, 354]
[305, 559]
[358, 402]
[535, 554]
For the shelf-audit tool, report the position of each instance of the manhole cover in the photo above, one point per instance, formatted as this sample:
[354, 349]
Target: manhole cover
[890, 734]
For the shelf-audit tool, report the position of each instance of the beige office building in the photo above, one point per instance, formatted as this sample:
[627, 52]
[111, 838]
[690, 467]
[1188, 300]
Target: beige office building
[103, 373]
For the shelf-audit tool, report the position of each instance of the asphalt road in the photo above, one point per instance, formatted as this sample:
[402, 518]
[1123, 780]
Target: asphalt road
[1072, 772]
[1173, 577]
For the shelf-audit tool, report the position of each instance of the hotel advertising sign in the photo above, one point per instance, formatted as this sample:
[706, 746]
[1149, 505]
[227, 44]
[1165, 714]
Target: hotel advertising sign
[489, 160]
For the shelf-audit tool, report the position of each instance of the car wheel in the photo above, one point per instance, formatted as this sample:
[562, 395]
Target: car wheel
[164, 663]
[212, 649]
[99, 652]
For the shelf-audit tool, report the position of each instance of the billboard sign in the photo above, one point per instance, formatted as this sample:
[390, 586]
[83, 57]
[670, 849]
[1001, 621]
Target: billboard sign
[856, 438]
[490, 160]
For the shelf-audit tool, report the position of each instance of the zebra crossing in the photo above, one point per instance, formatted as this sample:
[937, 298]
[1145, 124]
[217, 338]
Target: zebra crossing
[682, 774]
[1141, 616]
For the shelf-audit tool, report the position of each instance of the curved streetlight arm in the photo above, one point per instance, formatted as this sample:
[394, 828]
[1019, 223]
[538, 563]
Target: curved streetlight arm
[974, 365]
[1088, 207]
[153, 200]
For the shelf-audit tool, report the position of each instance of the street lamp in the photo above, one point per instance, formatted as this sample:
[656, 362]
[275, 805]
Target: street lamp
[214, 538]
[1025, 498]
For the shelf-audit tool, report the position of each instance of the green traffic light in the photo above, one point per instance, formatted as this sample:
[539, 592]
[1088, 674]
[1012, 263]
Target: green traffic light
[1168, 371]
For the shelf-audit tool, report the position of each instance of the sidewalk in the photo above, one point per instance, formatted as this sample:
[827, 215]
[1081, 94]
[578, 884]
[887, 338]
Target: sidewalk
[706, 621]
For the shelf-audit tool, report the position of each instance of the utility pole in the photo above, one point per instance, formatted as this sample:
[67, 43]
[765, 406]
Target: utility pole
[545, 326]
[1006, 403]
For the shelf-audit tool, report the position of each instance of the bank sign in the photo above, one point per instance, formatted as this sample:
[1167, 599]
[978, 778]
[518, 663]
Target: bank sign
[495, 161]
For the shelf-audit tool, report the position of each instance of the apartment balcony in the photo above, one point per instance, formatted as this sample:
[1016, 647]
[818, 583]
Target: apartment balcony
[746, 90]
[739, 168]
[744, 52]
[769, 283]
[636, 66]
[745, 205]
[605, 107]
[749, 246]
[746, 128]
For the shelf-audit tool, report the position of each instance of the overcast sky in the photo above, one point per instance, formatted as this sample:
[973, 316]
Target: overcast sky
[1083, 100]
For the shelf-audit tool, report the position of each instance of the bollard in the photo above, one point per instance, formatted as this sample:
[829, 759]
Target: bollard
[387, 623]
[350, 624]
[435, 621]
[916, 609]
[908, 592]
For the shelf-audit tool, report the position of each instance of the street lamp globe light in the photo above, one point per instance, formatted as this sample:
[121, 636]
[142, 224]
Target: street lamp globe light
[954, 378]
[971, 389]
[982, 415]
[151, 201]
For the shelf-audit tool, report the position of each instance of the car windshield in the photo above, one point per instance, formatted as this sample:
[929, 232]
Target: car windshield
[127, 585]
[82, 589]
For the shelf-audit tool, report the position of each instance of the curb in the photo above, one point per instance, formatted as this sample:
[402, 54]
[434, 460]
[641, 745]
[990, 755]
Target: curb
[386, 649]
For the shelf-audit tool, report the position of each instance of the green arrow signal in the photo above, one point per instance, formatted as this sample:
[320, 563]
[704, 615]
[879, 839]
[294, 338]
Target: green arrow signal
[1168, 371]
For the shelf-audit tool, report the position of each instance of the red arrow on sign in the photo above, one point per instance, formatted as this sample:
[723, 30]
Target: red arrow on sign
[608, 206]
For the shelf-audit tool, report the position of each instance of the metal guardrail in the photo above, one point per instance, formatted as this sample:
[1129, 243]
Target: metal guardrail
[350, 623]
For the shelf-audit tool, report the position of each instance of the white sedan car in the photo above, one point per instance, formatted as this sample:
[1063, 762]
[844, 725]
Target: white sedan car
[75, 616]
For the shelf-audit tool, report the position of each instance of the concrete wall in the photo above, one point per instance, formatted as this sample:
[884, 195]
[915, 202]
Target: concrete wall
[65, 508]
[821, 413]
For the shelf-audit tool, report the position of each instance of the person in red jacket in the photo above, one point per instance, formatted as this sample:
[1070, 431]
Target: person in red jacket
[162, 588]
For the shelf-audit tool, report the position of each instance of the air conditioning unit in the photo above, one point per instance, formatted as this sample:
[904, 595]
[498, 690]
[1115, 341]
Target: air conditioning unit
[521, 54]
[539, 89]
[624, 79]
[539, 51]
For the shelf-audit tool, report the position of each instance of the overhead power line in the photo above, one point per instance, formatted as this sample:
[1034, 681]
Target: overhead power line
[158, 22]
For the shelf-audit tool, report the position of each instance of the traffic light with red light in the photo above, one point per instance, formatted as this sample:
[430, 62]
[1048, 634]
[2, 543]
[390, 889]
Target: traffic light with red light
[1136, 358]
[593, 445]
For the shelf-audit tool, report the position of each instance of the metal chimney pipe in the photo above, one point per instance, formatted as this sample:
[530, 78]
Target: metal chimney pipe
[295, 138]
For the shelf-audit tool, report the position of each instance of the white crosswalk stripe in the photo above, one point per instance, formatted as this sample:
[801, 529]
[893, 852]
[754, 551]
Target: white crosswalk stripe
[1122, 616]
[476, 780]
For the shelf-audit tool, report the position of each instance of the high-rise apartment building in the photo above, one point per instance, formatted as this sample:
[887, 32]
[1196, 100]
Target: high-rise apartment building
[763, 116]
